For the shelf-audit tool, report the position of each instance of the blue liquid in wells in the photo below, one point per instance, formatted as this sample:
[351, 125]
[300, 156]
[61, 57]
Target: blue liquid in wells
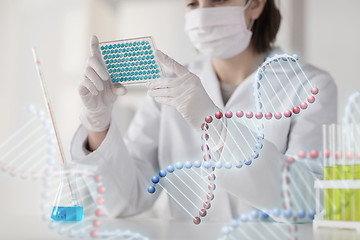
[68, 214]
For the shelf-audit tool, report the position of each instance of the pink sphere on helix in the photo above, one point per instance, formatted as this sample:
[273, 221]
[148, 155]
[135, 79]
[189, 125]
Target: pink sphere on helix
[101, 189]
[303, 105]
[13, 172]
[282, 194]
[311, 99]
[228, 114]
[206, 136]
[277, 115]
[23, 174]
[212, 177]
[218, 115]
[296, 110]
[239, 114]
[314, 91]
[286, 180]
[96, 223]
[210, 196]
[338, 154]
[288, 193]
[259, 115]
[287, 113]
[249, 114]
[98, 212]
[208, 119]
[34, 174]
[292, 229]
[289, 159]
[5, 167]
[326, 153]
[314, 154]
[202, 212]
[206, 205]
[100, 200]
[211, 186]
[196, 220]
[349, 155]
[302, 154]
[98, 178]
[285, 168]
[94, 234]
[285, 193]
[268, 115]
[202, 147]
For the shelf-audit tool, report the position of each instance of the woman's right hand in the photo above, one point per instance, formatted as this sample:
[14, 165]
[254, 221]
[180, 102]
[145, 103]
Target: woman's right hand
[96, 91]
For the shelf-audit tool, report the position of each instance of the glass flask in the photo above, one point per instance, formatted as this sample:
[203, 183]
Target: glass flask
[67, 206]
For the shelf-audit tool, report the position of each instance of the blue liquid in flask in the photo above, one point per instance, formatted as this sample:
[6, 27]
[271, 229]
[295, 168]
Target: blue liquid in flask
[68, 214]
[67, 206]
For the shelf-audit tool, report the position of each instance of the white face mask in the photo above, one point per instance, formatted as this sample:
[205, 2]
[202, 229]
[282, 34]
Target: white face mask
[218, 32]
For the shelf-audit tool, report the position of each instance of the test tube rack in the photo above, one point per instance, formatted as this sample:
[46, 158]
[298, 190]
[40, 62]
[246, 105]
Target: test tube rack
[319, 219]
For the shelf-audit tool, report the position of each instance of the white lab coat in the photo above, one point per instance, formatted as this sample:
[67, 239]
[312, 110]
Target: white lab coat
[158, 136]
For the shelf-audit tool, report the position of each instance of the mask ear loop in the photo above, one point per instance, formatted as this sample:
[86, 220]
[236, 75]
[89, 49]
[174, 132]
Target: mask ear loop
[247, 5]
[251, 20]
[251, 24]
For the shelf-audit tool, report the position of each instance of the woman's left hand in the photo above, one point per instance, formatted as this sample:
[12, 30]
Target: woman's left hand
[184, 92]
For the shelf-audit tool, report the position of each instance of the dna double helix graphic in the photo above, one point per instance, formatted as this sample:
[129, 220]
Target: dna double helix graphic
[92, 203]
[283, 87]
[31, 153]
[297, 205]
[233, 139]
[26, 152]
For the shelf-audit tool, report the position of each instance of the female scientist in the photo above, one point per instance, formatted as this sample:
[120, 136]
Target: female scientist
[235, 36]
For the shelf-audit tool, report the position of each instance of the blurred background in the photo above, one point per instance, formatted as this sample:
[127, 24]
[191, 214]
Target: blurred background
[324, 33]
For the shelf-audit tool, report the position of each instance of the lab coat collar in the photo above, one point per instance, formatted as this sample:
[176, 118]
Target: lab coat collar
[211, 84]
[212, 87]
[242, 90]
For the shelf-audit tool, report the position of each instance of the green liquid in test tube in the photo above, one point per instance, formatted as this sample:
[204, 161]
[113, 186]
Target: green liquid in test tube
[356, 174]
[348, 197]
[328, 170]
[338, 194]
[355, 137]
[328, 194]
[345, 171]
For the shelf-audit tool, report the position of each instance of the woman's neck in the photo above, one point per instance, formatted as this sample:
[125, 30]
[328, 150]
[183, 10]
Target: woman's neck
[236, 69]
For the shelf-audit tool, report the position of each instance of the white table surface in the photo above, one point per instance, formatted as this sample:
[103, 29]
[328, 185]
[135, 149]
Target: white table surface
[32, 227]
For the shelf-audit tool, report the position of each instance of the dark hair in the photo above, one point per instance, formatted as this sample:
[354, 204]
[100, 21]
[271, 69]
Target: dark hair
[266, 27]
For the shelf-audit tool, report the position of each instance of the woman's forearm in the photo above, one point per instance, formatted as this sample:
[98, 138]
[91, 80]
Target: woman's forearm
[95, 139]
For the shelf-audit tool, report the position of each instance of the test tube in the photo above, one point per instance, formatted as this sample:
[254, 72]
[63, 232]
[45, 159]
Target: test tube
[356, 171]
[338, 172]
[347, 159]
[328, 171]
